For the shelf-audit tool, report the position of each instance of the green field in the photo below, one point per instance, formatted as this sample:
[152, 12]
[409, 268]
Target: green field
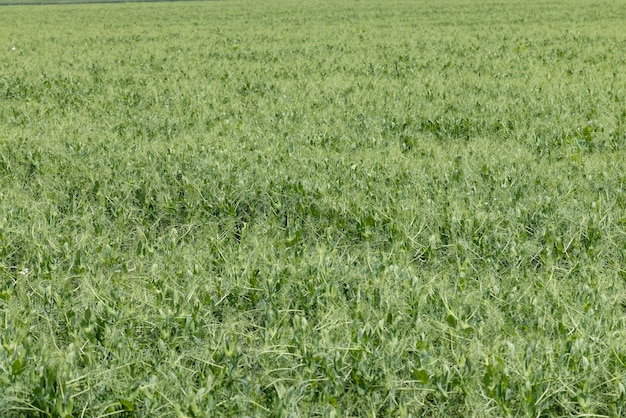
[360, 208]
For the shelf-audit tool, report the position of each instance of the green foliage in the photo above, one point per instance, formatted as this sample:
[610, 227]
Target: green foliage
[313, 209]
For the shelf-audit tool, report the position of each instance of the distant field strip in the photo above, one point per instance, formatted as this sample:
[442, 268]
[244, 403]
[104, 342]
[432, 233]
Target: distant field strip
[75, 2]
[313, 208]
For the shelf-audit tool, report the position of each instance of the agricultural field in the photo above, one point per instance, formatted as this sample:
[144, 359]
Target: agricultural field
[360, 208]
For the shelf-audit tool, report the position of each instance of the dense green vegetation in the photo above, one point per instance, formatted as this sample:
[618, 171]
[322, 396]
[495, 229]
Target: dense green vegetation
[361, 208]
